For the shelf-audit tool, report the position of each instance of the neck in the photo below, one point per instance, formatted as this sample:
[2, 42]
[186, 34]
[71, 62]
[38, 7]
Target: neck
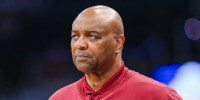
[97, 80]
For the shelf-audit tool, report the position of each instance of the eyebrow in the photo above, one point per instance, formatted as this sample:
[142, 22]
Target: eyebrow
[75, 31]
[90, 31]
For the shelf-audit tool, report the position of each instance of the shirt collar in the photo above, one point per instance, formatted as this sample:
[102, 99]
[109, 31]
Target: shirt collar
[85, 89]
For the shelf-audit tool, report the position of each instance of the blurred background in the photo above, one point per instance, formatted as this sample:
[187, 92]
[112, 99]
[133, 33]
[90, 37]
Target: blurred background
[162, 42]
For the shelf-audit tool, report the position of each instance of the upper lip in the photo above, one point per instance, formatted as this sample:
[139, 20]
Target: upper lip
[82, 55]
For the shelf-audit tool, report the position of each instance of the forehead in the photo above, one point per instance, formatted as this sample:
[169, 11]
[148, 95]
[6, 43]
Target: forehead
[89, 23]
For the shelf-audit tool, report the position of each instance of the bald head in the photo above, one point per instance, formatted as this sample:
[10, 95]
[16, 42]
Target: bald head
[103, 15]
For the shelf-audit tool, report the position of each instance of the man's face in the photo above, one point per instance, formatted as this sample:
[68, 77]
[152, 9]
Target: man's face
[92, 44]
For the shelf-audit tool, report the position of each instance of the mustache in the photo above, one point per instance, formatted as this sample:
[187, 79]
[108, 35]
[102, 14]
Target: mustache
[79, 53]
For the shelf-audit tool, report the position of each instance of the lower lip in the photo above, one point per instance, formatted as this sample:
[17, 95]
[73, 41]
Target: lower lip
[81, 58]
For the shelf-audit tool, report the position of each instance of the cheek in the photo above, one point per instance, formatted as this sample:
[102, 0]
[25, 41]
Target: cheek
[109, 49]
[72, 50]
[109, 45]
[105, 50]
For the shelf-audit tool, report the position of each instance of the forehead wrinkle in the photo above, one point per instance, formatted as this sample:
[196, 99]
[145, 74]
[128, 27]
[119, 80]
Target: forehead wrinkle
[88, 24]
[91, 31]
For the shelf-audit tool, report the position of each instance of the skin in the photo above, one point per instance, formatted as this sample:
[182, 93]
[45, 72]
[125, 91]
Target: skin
[96, 44]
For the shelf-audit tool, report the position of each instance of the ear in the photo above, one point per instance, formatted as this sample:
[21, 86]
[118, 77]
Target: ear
[119, 43]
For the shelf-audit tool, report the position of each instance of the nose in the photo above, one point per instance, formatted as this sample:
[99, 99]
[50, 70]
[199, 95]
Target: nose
[81, 44]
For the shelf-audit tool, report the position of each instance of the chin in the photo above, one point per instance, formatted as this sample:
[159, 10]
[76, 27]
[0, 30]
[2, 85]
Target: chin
[85, 68]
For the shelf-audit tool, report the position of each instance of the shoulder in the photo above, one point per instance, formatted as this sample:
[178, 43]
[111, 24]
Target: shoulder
[140, 80]
[65, 91]
[150, 87]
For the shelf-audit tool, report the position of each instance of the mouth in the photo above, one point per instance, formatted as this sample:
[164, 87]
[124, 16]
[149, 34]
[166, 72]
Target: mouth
[81, 58]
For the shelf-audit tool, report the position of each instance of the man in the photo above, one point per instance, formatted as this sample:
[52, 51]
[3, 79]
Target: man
[97, 40]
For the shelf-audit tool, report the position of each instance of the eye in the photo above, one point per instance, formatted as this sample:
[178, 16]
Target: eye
[74, 36]
[93, 37]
